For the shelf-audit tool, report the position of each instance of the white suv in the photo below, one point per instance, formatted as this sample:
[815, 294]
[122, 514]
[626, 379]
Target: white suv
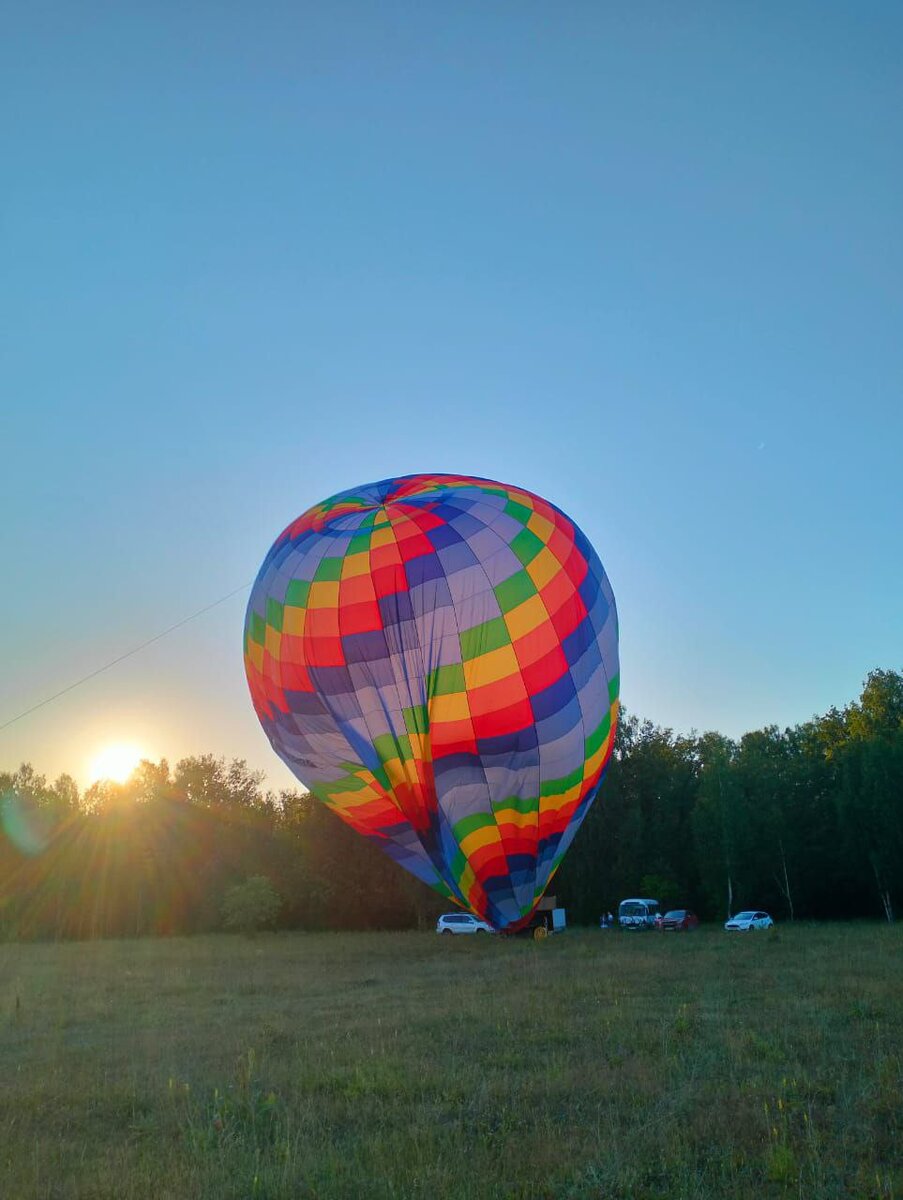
[461, 923]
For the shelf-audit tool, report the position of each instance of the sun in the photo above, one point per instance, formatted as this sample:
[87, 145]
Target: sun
[116, 762]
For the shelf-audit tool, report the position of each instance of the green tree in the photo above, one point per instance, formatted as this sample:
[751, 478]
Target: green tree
[251, 906]
[716, 824]
[870, 777]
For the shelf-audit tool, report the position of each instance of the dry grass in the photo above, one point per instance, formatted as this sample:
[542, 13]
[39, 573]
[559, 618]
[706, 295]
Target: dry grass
[404, 1065]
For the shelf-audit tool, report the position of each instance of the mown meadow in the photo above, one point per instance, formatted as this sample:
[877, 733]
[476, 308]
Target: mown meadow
[595, 1064]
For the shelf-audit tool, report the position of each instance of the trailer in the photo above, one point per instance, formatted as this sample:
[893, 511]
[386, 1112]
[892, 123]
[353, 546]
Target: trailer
[546, 920]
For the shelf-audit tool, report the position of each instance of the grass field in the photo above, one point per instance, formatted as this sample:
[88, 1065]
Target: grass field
[405, 1065]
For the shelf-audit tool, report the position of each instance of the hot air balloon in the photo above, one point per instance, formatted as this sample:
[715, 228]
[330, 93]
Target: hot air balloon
[436, 658]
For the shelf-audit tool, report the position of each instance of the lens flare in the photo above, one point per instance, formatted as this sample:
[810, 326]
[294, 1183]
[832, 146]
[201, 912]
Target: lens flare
[24, 824]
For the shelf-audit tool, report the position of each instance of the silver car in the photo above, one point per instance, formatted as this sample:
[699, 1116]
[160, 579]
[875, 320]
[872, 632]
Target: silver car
[461, 923]
[754, 919]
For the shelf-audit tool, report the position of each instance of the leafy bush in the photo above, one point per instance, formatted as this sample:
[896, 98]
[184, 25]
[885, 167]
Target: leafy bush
[251, 905]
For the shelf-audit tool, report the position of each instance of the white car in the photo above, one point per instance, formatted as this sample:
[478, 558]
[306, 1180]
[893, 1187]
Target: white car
[461, 923]
[749, 920]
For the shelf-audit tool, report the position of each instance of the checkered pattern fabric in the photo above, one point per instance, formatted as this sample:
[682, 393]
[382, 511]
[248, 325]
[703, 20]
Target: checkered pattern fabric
[436, 658]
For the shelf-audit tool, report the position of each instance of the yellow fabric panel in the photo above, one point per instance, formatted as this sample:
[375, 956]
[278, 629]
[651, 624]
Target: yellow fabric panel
[467, 880]
[592, 764]
[324, 594]
[556, 803]
[517, 819]
[520, 497]
[489, 668]
[399, 772]
[544, 567]
[293, 621]
[356, 564]
[487, 835]
[526, 617]
[541, 526]
[351, 800]
[453, 707]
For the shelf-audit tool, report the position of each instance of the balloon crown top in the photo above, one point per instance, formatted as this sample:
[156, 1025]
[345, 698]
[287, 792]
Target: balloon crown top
[345, 508]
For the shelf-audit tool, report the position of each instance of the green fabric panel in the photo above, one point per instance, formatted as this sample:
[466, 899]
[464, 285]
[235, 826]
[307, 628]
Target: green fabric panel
[257, 629]
[526, 546]
[598, 736]
[274, 614]
[554, 787]
[458, 863]
[468, 824]
[613, 686]
[350, 783]
[520, 804]
[387, 746]
[384, 747]
[483, 638]
[297, 592]
[329, 570]
[445, 681]
[519, 511]
[415, 719]
[514, 591]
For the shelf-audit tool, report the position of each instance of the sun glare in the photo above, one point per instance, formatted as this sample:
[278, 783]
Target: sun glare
[116, 762]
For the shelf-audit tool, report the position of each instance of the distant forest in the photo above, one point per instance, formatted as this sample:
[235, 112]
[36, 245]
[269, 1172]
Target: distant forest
[806, 823]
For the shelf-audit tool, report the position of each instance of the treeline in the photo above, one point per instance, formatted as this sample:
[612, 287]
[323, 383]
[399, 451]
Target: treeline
[805, 822]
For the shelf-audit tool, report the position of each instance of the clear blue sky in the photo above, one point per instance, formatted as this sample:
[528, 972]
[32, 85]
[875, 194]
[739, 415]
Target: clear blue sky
[646, 260]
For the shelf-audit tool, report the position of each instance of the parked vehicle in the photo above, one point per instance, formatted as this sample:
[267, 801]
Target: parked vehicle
[680, 919]
[753, 919]
[461, 923]
[638, 913]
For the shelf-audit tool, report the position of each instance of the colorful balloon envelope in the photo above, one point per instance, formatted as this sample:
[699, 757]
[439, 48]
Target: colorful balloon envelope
[436, 658]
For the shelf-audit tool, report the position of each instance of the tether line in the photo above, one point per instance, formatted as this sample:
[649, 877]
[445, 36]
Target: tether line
[122, 657]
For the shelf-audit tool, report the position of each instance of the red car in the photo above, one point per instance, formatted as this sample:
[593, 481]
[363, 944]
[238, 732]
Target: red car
[680, 919]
